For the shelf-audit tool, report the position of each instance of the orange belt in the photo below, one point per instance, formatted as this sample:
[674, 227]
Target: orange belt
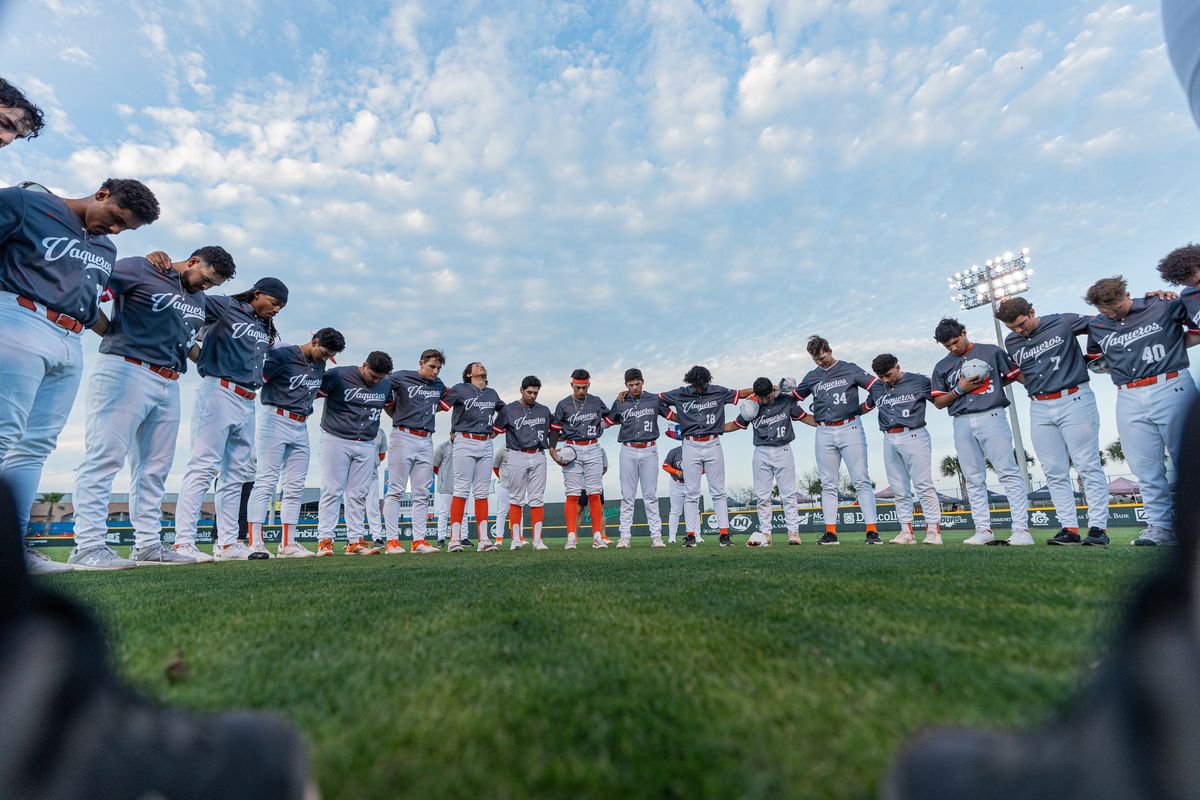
[283, 412]
[240, 391]
[1153, 379]
[61, 320]
[162, 372]
[1056, 395]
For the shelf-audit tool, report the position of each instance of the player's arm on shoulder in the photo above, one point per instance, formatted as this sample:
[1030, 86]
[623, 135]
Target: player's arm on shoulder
[159, 260]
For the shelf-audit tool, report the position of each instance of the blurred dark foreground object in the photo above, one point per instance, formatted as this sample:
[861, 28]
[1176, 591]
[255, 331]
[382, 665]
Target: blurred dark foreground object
[71, 729]
[1135, 732]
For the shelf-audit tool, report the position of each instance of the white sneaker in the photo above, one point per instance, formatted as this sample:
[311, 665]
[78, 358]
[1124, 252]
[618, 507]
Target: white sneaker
[572, 541]
[981, 537]
[516, 544]
[157, 555]
[1155, 537]
[905, 537]
[485, 546]
[423, 547]
[932, 538]
[294, 550]
[538, 544]
[259, 552]
[599, 544]
[1021, 539]
[756, 540]
[234, 552]
[455, 547]
[623, 543]
[656, 541]
[194, 553]
[98, 558]
[41, 564]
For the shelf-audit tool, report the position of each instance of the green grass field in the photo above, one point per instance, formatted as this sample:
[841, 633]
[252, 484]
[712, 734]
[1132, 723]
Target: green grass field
[788, 672]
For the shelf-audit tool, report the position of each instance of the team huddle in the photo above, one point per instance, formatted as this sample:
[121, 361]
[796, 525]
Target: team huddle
[59, 266]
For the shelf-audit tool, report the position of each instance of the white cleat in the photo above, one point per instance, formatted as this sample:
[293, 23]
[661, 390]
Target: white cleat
[572, 542]
[794, 538]
[422, 546]
[982, 537]
[516, 544]
[41, 564]
[485, 546]
[599, 544]
[932, 538]
[259, 552]
[756, 540]
[766, 540]
[100, 558]
[455, 547]
[233, 552]
[656, 541]
[1021, 539]
[905, 537]
[194, 553]
[294, 550]
[699, 539]
[538, 544]
[623, 543]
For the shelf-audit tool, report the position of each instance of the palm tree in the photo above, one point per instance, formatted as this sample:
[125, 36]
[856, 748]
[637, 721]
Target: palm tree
[810, 483]
[950, 468]
[1114, 450]
[51, 499]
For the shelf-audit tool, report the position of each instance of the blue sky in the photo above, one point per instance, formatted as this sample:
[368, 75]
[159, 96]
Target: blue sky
[544, 186]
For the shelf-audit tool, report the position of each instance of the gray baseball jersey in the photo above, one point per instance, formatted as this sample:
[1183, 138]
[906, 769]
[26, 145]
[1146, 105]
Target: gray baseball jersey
[443, 466]
[773, 426]
[674, 460]
[700, 413]
[902, 405]
[47, 256]
[352, 408]
[1050, 358]
[290, 380]
[473, 408]
[1150, 340]
[638, 418]
[234, 341]
[524, 427]
[153, 318]
[414, 400]
[579, 421]
[988, 396]
[834, 391]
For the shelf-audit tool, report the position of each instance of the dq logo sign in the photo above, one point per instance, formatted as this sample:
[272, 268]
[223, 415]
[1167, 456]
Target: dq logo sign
[740, 522]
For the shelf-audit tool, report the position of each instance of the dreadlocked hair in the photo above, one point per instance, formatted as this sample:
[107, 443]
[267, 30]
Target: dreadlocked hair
[246, 297]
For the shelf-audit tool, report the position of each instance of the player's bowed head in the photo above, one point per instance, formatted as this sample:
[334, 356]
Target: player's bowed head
[952, 334]
[377, 367]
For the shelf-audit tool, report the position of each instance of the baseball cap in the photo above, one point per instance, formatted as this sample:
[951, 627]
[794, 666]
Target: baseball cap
[273, 287]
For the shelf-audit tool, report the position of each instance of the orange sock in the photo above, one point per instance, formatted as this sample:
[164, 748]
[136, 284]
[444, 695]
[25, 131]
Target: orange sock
[871, 529]
[481, 517]
[250, 533]
[287, 534]
[514, 520]
[597, 512]
[724, 531]
[535, 522]
[831, 529]
[458, 510]
[572, 513]
[1073, 530]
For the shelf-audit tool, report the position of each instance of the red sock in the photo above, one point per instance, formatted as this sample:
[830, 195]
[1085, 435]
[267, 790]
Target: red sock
[1073, 530]
[481, 517]
[535, 521]
[458, 509]
[724, 531]
[287, 534]
[514, 518]
[572, 514]
[871, 529]
[250, 533]
[597, 512]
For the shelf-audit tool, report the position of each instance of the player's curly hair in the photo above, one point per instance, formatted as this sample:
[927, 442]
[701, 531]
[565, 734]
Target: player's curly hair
[133, 196]
[217, 258]
[1107, 291]
[12, 97]
[948, 328]
[817, 345]
[763, 387]
[698, 377]
[248, 297]
[633, 374]
[379, 361]
[882, 364]
[1179, 267]
[331, 339]
[1012, 308]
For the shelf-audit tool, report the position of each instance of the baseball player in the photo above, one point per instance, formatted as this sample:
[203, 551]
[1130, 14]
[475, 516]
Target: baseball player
[55, 260]
[981, 431]
[833, 386]
[579, 421]
[19, 117]
[416, 398]
[354, 401]
[503, 497]
[900, 398]
[374, 511]
[637, 412]
[1142, 343]
[238, 331]
[526, 425]
[673, 466]
[292, 376]
[772, 414]
[1062, 413]
[443, 468]
[474, 404]
[699, 408]
[133, 401]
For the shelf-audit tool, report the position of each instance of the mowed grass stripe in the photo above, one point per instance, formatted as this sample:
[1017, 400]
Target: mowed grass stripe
[787, 672]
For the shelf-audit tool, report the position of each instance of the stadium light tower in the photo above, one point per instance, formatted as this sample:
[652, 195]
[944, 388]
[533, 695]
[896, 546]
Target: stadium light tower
[998, 279]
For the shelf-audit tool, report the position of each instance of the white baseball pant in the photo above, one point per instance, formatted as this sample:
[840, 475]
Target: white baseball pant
[704, 459]
[586, 472]
[472, 474]
[639, 469]
[1066, 432]
[441, 509]
[986, 435]
[1150, 418]
[525, 474]
[775, 466]
[41, 365]
[222, 442]
[346, 470]
[676, 494]
[908, 459]
[410, 462]
[374, 512]
[130, 412]
[282, 448]
[843, 444]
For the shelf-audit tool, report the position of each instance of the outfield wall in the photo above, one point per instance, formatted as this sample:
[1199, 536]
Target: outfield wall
[741, 521]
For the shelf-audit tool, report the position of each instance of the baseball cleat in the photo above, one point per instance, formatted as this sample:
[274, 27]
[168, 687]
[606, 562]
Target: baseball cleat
[455, 547]
[325, 547]
[359, 548]
[572, 542]
[486, 546]
[689, 540]
[41, 564]
[656, 541]
[828, 538]
[1155, 537]
[394, 547]
[231, 552]
[294, 550]
[623, 543]
[905, 537]
[932, 537]
[466, 542]
[422, 546]
[794, 538]
[100, 558]
[158, 556]
[1096, 537]
[872, 538]
[725, 540]
[1021, 539]
[190, 550]
[259, 553]
[516, 544]
[767, 539]
[756, 540]
[997, 543]
[378, 541]
[1064, 537]
[699, 539]
[980, 537]
[671, 539]
[604, 538]
[538, 544]
[598, 543]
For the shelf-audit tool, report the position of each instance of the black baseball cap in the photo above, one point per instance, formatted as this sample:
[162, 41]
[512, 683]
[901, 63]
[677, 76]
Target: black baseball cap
[273, 287]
